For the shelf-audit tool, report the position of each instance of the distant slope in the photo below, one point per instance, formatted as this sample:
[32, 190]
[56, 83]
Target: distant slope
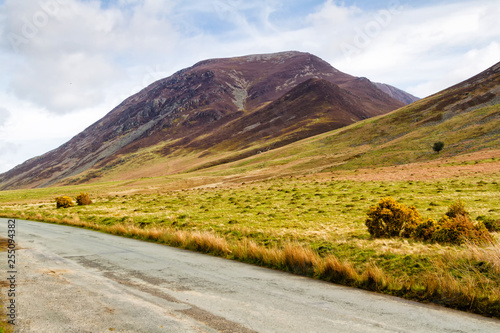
[396, 93]
[466, 117]
[213, 108]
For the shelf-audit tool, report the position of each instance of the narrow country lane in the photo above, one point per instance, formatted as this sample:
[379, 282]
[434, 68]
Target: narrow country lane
[75, 280]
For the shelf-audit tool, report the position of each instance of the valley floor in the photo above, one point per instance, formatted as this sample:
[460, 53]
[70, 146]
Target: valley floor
[309, 224]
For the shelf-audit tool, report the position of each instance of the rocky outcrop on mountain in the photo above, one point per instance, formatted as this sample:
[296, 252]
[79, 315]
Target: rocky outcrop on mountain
[280, 97]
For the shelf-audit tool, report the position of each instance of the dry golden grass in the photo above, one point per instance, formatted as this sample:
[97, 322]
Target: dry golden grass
[248, 250]
[300, 260]
[207, 242]
[464, 278]
[179, 238]
[489, 254]
[331, 269]
[373, 278]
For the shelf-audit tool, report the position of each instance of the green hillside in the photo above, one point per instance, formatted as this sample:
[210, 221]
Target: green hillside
[404, 136]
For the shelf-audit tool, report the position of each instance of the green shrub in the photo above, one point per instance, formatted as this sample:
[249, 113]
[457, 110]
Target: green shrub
[425, 230]
[438, 146]
[64, 202]
[390, 218]
[456, 227]
[83, 199]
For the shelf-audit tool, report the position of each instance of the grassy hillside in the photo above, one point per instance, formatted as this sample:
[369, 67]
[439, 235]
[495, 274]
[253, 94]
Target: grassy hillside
[402, 137]
[395, 139]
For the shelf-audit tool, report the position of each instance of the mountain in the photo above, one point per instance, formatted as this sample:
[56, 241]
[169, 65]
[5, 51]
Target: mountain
[465, 117]
[221, 109]
[397, 93]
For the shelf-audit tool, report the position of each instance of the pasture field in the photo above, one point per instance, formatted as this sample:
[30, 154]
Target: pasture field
[312, 225]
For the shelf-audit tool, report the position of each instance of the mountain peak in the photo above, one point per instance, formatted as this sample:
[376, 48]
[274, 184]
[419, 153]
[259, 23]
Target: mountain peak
[227, 102]
[275, 57]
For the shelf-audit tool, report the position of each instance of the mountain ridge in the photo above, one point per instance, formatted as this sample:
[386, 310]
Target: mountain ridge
[196, 105]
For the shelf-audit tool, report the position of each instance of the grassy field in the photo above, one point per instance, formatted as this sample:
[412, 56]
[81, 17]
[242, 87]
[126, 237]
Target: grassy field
[311, 225]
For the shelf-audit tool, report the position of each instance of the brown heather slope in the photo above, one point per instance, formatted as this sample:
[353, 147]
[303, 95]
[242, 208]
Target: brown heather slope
[466, 117]
[216, 105]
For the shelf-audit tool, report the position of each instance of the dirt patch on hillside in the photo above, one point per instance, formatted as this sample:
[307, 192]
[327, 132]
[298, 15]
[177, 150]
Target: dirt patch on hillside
[480, 163]
[484, 163]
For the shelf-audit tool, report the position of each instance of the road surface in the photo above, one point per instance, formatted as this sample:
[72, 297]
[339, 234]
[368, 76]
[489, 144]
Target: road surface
[76, 280]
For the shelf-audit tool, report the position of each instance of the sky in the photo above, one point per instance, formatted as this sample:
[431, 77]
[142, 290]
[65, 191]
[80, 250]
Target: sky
[65, 64]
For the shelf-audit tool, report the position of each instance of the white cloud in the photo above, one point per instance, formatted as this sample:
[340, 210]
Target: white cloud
[73, 53]
[4, 116]
[65, 82]
[471, 63]
[332, 15]
[422, 50]
[32, 131]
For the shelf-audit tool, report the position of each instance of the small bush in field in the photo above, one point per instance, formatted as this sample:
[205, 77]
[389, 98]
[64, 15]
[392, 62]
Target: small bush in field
[456, 227]
[438, 146]
[425, 230]
[460, 229]
[390, 218]
[83, 199]
[64, 202]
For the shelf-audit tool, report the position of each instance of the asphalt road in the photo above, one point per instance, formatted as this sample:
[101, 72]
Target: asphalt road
[75, 280]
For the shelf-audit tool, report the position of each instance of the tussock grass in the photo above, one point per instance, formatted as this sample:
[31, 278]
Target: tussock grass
[462, 282]
[300, 260]
[248, 251]
[207, 242]
[331, 269]
[373, 278]
[178, 238]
